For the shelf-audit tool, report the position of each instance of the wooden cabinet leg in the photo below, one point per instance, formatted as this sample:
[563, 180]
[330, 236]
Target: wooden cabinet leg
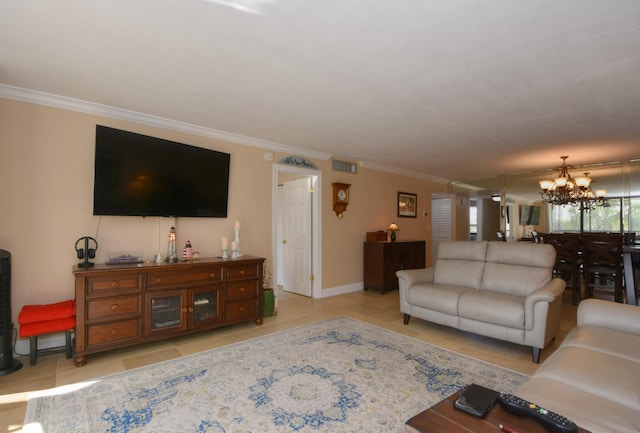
[79, 360]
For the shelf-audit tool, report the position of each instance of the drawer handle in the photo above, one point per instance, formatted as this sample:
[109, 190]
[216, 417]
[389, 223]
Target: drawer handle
[190, 310]
[158, 280]
[241, 308]
[115, 284]
[242, 289]
[212, 275]
[242, 272]
[184, 310]
[114, 331]
[114, 307]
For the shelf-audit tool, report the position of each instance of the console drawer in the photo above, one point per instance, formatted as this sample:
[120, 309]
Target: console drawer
[242, 271]
[242, 289]
[113, 331]
[107, 308]
[245, 308]
[119, 283]
[156, 280]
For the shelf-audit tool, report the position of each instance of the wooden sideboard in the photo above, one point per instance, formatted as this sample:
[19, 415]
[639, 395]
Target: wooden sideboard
[383, 259]
[125, 305]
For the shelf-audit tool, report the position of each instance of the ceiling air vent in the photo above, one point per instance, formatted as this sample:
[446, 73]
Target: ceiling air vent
[348, 167]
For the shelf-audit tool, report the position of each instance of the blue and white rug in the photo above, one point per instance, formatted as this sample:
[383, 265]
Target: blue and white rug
[338, 375]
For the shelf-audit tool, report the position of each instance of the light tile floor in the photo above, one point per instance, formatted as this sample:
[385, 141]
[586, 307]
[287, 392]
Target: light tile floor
[382, 310]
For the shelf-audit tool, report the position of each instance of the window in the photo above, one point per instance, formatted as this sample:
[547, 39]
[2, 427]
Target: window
[632, 214]
[617, 215]
[473, 219]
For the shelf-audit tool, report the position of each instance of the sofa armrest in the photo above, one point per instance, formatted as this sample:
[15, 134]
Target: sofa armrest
[610, 315]
[547, 293]
[411, 277]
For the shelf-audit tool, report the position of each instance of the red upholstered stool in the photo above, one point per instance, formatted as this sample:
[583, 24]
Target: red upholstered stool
[37, 320]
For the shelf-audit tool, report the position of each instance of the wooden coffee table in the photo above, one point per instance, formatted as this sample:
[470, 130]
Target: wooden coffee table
[443, 417]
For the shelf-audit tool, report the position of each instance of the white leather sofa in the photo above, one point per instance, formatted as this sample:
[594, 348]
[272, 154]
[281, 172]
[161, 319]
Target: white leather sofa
[593, 378]
[496, 289]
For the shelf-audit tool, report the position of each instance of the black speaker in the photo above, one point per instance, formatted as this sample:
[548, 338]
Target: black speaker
[87, 251]
[7, 363]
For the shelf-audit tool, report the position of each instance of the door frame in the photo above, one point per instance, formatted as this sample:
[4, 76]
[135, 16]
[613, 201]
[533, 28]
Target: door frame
[316, 231]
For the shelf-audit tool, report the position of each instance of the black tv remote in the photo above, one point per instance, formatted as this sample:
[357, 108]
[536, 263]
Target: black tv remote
[552, 421]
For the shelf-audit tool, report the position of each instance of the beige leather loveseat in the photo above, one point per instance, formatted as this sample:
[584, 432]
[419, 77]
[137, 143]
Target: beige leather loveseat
[593, 378]
[497, 289]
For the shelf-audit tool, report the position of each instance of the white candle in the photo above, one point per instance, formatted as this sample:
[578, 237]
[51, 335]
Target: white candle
[236, 226]
[225, 243]
[234, 246]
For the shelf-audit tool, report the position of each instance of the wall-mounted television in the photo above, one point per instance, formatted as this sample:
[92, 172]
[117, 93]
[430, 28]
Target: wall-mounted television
[529, 215]
[138, 175]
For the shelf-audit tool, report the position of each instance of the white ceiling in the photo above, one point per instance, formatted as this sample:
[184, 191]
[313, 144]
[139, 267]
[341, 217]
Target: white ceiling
[456, 89]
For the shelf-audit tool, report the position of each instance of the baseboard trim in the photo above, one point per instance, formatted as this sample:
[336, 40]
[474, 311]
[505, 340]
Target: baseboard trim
[341, 290]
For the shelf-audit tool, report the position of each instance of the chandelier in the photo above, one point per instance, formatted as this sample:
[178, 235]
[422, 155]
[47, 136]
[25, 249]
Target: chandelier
[564, 189]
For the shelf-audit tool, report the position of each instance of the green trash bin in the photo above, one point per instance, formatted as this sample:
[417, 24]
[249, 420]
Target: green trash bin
[268, 303]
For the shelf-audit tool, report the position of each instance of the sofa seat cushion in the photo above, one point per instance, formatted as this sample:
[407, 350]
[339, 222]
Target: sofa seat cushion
[611, 377]
[491, 307]
[436, 297]
[593, 412]
[605, 340]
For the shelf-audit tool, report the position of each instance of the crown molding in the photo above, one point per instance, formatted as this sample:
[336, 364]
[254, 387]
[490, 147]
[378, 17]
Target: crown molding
[408, 173]
[58, 101]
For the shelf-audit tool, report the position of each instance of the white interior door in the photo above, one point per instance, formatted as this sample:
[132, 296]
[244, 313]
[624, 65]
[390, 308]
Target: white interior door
[440, 224]
[297, 235]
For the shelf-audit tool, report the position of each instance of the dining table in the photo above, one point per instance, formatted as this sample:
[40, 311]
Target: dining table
[631, 275]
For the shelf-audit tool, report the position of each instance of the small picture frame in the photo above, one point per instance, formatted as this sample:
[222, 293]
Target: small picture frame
[407, 205]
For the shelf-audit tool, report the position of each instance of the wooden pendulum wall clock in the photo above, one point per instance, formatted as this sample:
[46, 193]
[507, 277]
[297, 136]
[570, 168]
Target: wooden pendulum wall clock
[340, 197]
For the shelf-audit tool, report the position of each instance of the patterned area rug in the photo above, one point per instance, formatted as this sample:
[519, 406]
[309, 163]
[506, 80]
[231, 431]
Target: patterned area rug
[338, 375]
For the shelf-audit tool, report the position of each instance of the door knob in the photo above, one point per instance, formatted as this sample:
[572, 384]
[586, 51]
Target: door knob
[284, 242]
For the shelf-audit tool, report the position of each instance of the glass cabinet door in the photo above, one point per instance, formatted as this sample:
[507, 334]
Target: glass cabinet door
[205, 305]
[166, 311]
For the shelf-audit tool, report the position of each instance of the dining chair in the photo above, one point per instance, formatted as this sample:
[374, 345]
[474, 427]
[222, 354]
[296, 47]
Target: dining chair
[568, 260]
[603, 265]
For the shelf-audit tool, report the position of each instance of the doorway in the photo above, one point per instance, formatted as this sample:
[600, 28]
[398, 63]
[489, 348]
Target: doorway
[440, 223]
[297, 229]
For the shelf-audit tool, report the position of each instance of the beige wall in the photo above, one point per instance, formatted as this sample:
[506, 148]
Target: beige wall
[46, 173]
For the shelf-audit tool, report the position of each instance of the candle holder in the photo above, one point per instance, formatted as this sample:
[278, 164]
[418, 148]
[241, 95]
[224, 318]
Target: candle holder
[225, 254]
[237, 241]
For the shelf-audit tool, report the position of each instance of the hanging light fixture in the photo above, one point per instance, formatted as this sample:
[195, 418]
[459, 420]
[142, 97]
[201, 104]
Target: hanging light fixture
[564, 189]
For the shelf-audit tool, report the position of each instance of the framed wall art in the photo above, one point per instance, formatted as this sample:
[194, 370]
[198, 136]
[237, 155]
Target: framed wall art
[407, 205]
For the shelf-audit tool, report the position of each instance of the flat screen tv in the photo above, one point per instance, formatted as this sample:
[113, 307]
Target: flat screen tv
[529, 215]
[138, 175]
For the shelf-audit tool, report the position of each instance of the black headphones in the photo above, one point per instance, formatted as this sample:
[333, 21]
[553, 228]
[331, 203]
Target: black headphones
[90, 250]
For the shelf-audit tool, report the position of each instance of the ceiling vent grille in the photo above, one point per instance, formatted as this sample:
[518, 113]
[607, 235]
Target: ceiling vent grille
[347, 167]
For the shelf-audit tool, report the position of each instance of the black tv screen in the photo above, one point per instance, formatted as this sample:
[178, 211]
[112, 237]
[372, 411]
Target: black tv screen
[138, 175]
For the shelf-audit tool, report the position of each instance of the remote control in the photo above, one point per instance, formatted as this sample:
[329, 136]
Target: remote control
[552, 421]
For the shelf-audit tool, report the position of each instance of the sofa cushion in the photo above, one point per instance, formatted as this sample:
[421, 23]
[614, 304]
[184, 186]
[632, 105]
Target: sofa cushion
[513, 279]
[517, 269]
[460, 264]
[589, 411]
[434, 297]
[494, 308]
[611, 377]
[522, 253]
[605, 340]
